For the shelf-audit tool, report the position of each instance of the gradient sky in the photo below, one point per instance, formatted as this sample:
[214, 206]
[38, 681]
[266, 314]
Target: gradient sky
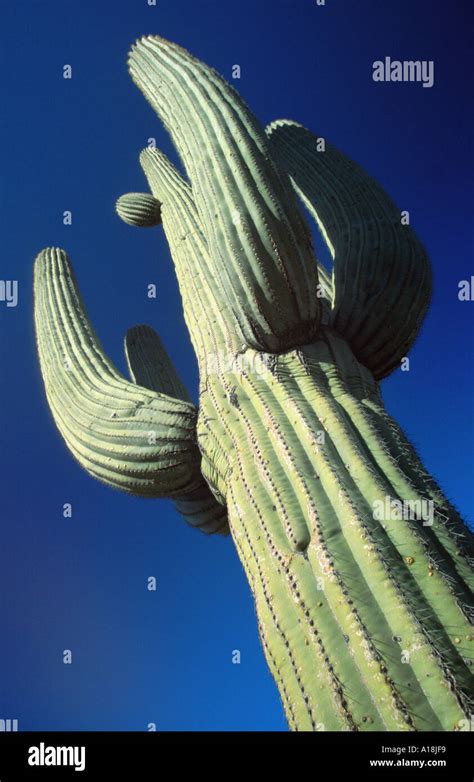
[80, 583]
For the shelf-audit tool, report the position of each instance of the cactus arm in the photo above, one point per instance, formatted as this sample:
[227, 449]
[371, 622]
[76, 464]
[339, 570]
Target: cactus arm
[126, 436]
[260, 248]
[208, 318]
[149, 364]
[201, 510]
[382, 280]
[139, 209]
[151, 367]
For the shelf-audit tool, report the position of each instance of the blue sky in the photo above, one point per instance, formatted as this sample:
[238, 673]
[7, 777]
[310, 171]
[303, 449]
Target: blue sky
[80, 583]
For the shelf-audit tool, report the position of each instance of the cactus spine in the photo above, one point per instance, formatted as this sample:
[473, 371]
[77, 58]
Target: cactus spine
[364, 617]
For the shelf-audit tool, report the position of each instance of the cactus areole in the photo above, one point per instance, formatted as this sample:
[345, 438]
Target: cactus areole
[364, 615]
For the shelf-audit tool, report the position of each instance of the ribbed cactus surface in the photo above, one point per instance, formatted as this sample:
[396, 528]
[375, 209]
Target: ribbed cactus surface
[364, 610]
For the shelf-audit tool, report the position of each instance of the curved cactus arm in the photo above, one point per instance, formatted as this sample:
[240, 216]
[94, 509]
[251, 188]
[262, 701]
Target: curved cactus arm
[382, 279]
[127, 436]
[209, 319]
[200, 509]
[260, 246]
[139, 209]
[150, 366]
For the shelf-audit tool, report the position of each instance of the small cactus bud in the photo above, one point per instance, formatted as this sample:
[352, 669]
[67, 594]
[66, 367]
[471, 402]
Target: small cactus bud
[140, 209]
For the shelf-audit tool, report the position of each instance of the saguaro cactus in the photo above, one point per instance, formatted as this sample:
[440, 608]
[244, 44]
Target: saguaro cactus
[363, 613]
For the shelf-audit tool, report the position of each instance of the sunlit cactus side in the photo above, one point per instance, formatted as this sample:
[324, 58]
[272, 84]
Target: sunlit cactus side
[139, 209]
[365, 615]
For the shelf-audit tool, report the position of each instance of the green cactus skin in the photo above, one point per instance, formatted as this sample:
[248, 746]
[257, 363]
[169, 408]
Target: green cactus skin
[150, 366]
[134, 439]
[380, 265]
[139, 209]
[364, 621]
[259, 246]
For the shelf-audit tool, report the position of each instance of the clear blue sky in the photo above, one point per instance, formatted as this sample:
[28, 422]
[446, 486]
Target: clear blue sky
[80, 583]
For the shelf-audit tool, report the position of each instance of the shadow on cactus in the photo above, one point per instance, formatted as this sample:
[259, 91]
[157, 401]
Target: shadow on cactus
[363, 612]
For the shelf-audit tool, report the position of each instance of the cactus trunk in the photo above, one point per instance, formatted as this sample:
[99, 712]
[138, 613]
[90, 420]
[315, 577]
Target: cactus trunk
[363, 617]
[359, 566]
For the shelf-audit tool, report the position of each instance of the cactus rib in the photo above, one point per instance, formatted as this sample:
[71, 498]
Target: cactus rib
[365, 616]
[107, 422]
[382, 281]
[150, 366]
[139, 209]
[259, 246]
